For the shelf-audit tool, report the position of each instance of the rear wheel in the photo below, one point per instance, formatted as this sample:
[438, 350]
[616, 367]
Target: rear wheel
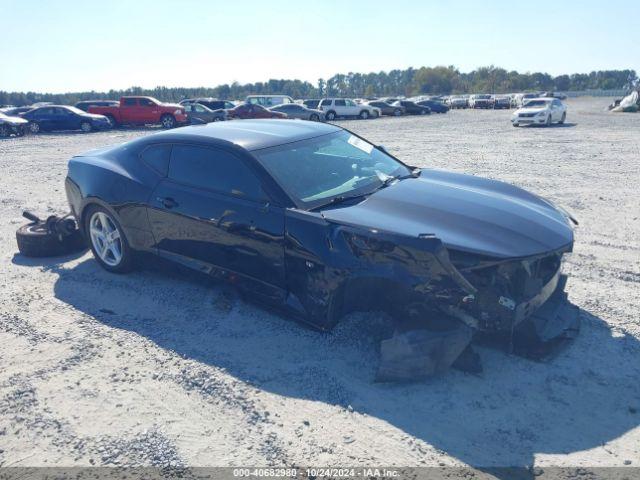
[314, 117]
[168, 121]
[34, 127]
[331, 115]
[364, 115]
[107, 240]
[85, 127]
[548, 122]
[563, 118]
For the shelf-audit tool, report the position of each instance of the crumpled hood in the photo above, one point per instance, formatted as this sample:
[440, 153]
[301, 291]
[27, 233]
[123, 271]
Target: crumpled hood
[172, 105]
[467, 213]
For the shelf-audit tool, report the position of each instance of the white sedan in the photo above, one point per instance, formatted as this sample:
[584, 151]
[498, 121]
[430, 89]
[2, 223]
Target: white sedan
[540, 111]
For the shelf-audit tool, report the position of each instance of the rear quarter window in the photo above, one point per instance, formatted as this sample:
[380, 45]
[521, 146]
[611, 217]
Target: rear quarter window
[157, 157]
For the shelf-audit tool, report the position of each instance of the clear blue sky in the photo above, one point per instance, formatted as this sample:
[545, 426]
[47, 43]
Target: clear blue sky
[72, 45]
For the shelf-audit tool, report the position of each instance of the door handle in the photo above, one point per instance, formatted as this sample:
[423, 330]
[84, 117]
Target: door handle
[168, 202]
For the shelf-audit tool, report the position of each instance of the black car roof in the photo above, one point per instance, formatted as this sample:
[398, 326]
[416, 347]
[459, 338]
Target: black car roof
[249, 134]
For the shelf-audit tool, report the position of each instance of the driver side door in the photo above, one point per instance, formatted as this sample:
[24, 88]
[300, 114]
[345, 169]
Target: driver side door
[211, 212]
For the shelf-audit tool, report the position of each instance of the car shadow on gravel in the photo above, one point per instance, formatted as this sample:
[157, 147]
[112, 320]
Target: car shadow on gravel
[516, 410]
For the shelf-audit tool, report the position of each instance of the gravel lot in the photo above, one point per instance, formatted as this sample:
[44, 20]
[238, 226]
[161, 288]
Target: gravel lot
[158, 368]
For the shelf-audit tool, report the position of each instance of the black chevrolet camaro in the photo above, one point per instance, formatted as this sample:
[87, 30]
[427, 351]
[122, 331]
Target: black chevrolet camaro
[318, 221]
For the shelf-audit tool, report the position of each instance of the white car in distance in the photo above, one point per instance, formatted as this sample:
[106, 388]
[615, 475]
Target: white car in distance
[540, 111]
[345, 107]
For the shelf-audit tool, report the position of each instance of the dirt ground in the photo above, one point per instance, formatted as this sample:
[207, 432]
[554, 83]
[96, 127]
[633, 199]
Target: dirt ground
[157, 368]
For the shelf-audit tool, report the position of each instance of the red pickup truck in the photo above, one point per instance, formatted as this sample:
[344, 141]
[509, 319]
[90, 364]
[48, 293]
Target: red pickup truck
[142, 111]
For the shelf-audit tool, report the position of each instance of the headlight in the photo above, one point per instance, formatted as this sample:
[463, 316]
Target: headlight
[178, 112]
[541, 113]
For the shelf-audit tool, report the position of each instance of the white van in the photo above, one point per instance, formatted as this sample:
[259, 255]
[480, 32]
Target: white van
[268, 100]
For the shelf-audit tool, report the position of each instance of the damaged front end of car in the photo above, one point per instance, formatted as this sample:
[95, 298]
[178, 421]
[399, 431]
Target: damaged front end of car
[520, 304]
[456, 296]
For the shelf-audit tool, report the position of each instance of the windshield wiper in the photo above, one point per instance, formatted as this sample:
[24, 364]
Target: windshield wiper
[340, 199]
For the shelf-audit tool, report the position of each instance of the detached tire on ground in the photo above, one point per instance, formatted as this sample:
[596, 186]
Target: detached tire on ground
[35, 240]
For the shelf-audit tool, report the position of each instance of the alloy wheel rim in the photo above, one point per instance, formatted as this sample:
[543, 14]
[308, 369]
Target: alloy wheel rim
[106, 239]
[85, 127]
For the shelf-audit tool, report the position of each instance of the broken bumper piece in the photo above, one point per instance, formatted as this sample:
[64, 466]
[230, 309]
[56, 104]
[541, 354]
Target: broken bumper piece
[419, 354]
[551, 326]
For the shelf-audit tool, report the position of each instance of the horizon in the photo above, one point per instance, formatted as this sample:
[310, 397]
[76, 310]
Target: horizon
[207, 44]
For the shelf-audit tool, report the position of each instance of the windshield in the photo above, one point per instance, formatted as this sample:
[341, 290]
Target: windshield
[317, 170]
[536, 103]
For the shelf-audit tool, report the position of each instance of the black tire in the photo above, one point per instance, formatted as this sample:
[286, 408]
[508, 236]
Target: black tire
[112, 121]
[168, 121]
[314, 117]
[34, 127]
[397, 112]
[516, 124]
[331, 115]
[423, 112]
[563, 118]
[363, 115]
[86, 127]
[5, 131]
[126, 262]
[34, 240]
[548, 122]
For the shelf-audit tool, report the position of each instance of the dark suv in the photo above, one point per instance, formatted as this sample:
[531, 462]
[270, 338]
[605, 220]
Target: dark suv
[211, 103]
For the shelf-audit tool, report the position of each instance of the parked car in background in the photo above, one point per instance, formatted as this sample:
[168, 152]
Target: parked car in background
[312, 103]
[143, 111]
[268, 100]
[85, 104]
[540, 111]
[434, 105]
[412, 108]
[295, 110]
[249, 110]
[501, 101]
[481, 101]
[63, 117]
[386, 108]
[458, 101]
[345, 107]
[12, 125]
[15, 111]
[209, 102]
[558, 95]
[198, 113]
[519, 98]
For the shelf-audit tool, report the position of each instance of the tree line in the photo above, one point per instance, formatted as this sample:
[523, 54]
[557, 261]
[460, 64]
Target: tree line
[425, 80]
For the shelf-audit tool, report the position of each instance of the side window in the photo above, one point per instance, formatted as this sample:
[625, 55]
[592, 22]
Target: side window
[350, 103]
[214, 169]
[326, 103]
[199, 108]
[340, 103]
[145, 102]
[228, 105]
[157, 157]
[130, 102]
